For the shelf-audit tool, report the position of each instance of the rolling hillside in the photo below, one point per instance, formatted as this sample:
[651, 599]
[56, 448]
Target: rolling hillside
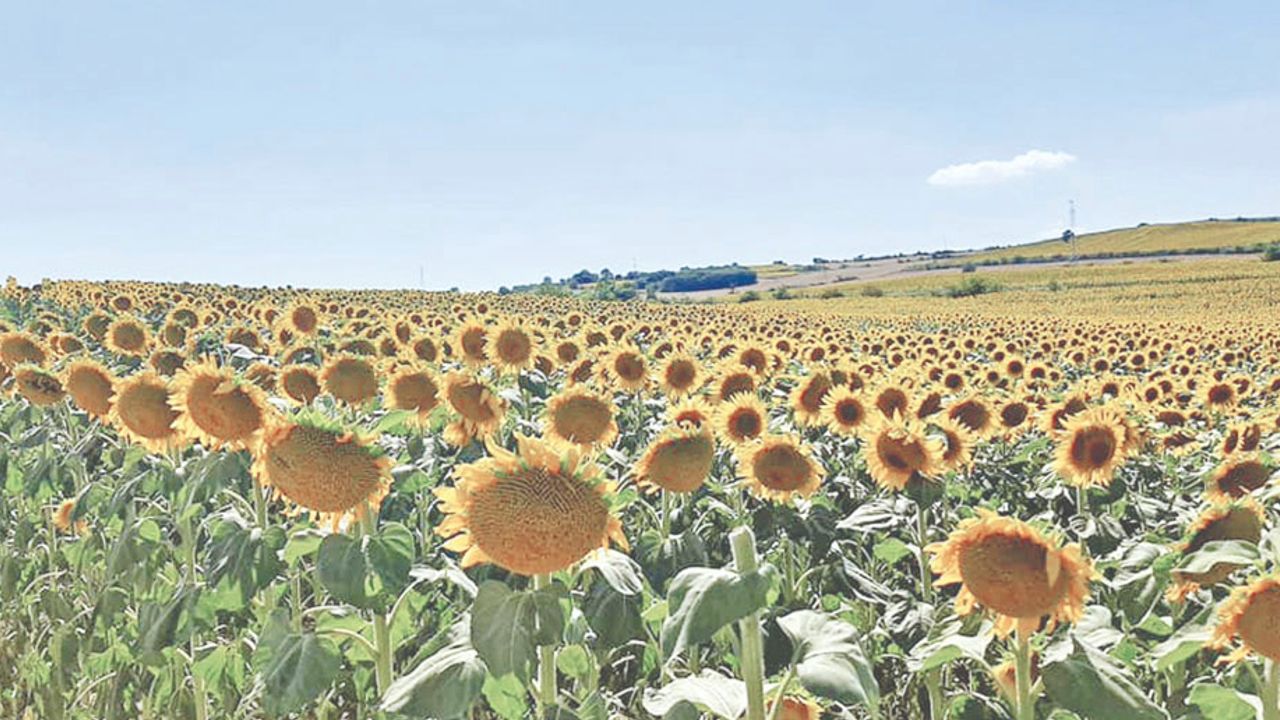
[1210, 235]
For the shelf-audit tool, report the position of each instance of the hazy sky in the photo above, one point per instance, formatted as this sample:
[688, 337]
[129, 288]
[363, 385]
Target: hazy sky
[349, 143]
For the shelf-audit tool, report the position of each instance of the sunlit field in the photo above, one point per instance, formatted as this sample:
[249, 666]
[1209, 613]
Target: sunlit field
[1050, 497]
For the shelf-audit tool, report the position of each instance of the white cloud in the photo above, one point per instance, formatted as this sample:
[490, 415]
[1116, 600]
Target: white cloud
[988, 172]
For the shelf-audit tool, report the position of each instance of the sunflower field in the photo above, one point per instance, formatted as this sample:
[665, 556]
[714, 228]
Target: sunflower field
[250, 503]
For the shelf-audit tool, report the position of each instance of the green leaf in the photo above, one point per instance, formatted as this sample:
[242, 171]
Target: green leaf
[342, 569]
[508, 626]
[158, 623]
[1087, 682]
[574, 661]
[445, 685]
[1212, 554]
[891, 550]
[829, 659]
[300, 668]
[1183, 644]
[614, 617]
[303, 543]
[391, 553]
[709, 692]
[506, 696]
[1220, 703]
[703, 600]
[620, 571]
[946, 645]
[393, 421]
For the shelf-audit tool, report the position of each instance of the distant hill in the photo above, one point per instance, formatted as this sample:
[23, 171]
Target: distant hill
[1214, 235]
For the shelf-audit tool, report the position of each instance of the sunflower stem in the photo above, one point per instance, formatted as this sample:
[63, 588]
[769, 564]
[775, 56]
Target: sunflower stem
[1270, 694]
[381, 630]
[933, 684]
[666, 515]
[1026, 709]
[780, 694]
[260, 503]
[743, 542]
[547, 690]
[922, 539]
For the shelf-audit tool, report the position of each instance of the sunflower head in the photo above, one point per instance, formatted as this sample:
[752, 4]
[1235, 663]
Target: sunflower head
[896, 449]
[17, 348]
[581, 417]
[680, 375]
[807, 398]
[957, 446]
[511, 346]
[477, 410]
[1091, 447]
[845, 411]
[1251, 614]
[678, 461]
[742, 418]
[90, 386]
[537, 510]
[128, 336]
[470, 341]
[39, 386]
[795, 707]
[62, 518]
[1236, 520]
[1237, 477]
[415, 389]
[216, 408]
[1012, 569]
[322, 468]
[627, 368]
[142, 412]
[692, 411]
[300, 383]
[778, 467]
[350, 379]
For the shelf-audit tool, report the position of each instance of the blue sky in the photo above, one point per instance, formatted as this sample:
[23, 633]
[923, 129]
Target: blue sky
[350, 143]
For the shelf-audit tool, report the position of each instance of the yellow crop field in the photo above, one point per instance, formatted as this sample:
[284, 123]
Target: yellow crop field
[1147, 239]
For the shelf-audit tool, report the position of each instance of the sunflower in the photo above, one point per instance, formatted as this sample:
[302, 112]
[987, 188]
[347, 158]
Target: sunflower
[678, 461]
[693, 411]
[39, 386]
[897, 449]
[62, 518]
[90, 387]
[957, 446]
[1092, 446]
[322, 468]
[511, 346]
[1243, 438]
[536, 511]
[807, 397]
[1237, 477]
[128, 336]
[1252, 614]
[581, 417]
[216, 409]
[845, 411]
[795, 707]
[350, 379]
[734, 382]
[892, 400]
[302, 319]
[478, 410]
[742, 418]
[143, 414]
[19, 347]
[680, 375]
[167, 361]
[300, 383]
[470, 341]
[974, 414]
[777, 467]
[1237, 520]
[626, 368]
[413, 388]
[1014, 570]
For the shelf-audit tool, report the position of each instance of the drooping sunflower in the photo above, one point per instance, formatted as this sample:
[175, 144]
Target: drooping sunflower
[470, 341]
[216, 408]
[1014, 570]
[350, 379]
[845, 411]
[1236, 520]
[322, 468]
[795, 707]
[19, 347]
[39, 386]
[90, 387]
[141, 412]
[957, 446]
[1091, 447]
[413, 388]
[167, 361]
[128, 336]
[580, 417]
[778, 467]
[511, 346]
[62, 518]
[1252, 614]
[807, 397]
[1237, 477]
[742, 418]
[536, 511]
[896, 449]
[300, 383]
[477, 410]
[678, 461]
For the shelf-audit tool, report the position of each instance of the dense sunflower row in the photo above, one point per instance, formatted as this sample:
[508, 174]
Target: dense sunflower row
[298, 379]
